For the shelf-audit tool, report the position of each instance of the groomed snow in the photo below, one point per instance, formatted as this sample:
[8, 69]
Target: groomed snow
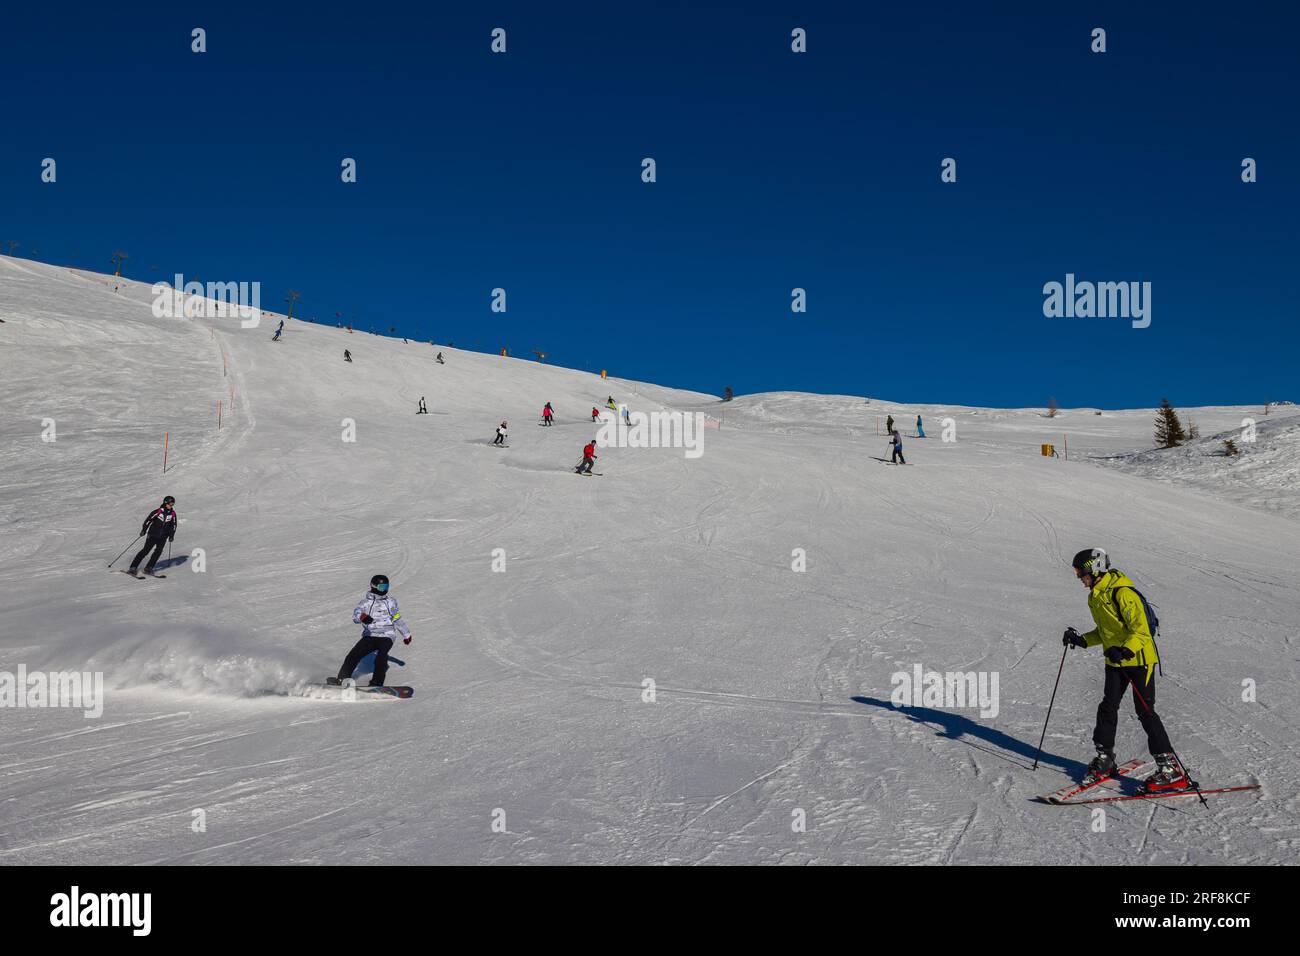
[773, 686]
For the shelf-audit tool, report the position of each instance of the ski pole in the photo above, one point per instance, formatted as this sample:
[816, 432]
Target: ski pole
[1065, 650]
[397, 660]
[1196, 787]
[124, 551]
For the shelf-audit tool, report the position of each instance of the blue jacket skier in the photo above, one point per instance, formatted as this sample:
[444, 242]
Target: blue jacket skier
[381, 621]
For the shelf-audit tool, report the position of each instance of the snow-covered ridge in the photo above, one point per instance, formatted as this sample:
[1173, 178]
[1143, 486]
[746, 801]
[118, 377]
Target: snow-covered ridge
[1264, 474]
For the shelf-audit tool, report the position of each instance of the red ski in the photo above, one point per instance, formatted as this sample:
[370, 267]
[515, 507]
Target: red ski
[1163, 793]
[1074, 789]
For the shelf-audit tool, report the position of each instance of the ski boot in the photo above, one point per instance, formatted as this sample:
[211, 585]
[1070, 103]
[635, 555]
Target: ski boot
[1102, 766]
[333, 682]
[1169, 775]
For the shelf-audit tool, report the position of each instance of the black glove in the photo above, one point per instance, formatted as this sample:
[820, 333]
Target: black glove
[1118, 654]
[366, 618]
[144, 530]
[1072, 638]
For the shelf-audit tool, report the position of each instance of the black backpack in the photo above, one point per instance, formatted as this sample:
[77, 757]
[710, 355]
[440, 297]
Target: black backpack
[1153, 620]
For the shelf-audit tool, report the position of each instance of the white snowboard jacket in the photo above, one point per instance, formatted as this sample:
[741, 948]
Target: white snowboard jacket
[386, 617]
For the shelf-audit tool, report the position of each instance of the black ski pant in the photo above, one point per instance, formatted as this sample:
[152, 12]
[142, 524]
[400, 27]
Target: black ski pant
[151, 542]
[897, 456]
[380, 646]
[1144, 703]
[586, 465]
[499, 440]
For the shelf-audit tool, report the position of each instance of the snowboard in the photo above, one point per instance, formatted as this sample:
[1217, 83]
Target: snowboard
[362, 691]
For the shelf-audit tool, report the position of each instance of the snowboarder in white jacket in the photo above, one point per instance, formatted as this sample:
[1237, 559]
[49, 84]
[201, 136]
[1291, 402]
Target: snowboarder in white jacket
[381, 622]
[501, 435]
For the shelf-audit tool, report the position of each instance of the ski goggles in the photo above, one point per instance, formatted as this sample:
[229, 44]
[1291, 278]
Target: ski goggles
[381, 588]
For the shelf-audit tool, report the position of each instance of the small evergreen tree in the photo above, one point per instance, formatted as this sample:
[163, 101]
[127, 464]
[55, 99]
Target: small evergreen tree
[1052, 407]
[1193, 430]
[1230, 447]
[1169, 430]
[726, 394]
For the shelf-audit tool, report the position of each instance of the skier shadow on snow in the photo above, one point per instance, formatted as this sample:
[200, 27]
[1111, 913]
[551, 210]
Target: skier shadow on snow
[963, 729]
[171, 562]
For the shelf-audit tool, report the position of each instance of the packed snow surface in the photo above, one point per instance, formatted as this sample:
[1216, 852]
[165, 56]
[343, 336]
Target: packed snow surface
[544, 604]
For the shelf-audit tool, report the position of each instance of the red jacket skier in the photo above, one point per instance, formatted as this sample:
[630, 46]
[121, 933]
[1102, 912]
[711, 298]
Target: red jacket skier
[588, 458]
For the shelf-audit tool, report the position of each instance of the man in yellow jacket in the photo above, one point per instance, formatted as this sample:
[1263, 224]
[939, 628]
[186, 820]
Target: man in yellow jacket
[1130, 650]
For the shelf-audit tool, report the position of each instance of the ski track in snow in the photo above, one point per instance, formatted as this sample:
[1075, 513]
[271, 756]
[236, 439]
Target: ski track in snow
[772, 686]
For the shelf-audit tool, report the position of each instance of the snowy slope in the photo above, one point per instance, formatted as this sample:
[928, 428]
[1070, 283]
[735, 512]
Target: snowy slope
[1264, 475]
[772, 685]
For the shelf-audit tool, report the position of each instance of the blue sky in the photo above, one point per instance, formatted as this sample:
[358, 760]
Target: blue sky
[775, 171]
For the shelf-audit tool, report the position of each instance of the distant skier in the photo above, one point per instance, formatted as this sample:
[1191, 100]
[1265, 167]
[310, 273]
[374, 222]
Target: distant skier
[276, 337]
[501, 435]
[611, 403]
[380, 621]
[280, 327]
[158, 528]
[547, 415]
[588, 458]
[627, 417]
[897, 441]
[347, 356]
[1124, 630]
[920, 429]
[595, 413]
[439, 359]
[889, 425]
[423, 409]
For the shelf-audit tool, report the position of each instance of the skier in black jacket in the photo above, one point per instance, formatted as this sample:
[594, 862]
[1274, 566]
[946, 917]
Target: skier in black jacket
[158, 528]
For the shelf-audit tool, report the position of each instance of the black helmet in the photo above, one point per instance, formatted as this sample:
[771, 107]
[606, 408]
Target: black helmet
[169, 500]
[1091, 561]
[379, 584]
